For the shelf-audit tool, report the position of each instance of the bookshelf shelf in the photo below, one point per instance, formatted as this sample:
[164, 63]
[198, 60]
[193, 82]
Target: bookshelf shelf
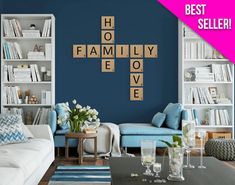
[214, 126]
[199, 61]
[27, 105]
[194, 82]
[35, 98]
[208, 105]
[206, 60]
[39, 83]
[26, 60]
[27, 38]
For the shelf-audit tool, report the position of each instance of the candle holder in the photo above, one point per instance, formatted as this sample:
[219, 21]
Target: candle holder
[201, 135]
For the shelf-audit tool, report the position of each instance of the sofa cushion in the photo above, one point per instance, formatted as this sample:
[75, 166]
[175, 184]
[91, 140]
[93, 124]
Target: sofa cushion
[173, 115]
[11, 176]
[158, 119]
[11, 129]
[62, 113]
[145, 129]
[26, 156]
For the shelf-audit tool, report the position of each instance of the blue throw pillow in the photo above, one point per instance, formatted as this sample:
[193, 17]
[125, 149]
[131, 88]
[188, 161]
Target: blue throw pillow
[158, 119]
[173, 115]
[11, 130]
[63, 114]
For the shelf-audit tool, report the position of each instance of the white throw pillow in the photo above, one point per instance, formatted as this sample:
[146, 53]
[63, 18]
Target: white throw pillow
[26, 131]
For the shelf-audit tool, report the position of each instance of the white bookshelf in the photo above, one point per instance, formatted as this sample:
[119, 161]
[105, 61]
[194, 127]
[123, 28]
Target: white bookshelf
[27, 44]
[226, 87]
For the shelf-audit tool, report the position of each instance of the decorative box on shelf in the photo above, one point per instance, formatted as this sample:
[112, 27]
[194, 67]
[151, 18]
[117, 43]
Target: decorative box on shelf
[219, 135]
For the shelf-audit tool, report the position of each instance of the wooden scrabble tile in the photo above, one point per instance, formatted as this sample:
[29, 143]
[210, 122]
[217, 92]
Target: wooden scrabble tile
[136, 79]
[107, 22]
[108, 51]
[79, 51]
[136, 65]
[122, 51]
[136, 94]
[150, 51]
[107, 36]
[93, 51]
[136, 51]
[108, 65]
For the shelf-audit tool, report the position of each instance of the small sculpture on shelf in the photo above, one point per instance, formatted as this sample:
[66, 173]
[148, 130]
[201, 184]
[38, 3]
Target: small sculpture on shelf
[33, 100]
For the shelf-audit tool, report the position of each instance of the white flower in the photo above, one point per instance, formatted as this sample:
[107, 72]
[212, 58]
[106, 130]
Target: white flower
[90, 111]
[94, 117]
[78, 106]
[88, 107]
[98, 120]
[67, 103]
[90, 118]
[74, 101]
[95, 112]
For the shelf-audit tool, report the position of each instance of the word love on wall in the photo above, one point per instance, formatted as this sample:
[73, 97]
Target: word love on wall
[108, 51]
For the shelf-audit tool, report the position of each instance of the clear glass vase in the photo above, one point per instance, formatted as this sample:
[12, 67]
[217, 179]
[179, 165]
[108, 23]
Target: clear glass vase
[176, 158]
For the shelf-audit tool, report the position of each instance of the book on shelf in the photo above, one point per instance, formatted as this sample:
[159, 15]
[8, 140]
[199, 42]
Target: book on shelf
[11, 95]
[188, 32]
[31, 33]
[12, 50]
[46, 97]
[211, 73]
[48, 50]
[28, 73]
[46, 32]
[217, 117]
[192, 114]
[222, 72]
[12, 28]
[41, 116]
[199, 95]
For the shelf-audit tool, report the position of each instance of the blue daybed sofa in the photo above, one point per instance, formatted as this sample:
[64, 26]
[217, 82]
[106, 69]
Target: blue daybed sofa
[163, 127]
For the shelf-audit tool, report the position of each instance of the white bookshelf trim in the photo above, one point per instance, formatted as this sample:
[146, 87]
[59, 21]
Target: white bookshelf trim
[184, 63]
[26, 43]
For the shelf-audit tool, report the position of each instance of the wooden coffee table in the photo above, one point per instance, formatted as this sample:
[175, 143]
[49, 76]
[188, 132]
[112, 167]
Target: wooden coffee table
[80, 137]
[216, 172]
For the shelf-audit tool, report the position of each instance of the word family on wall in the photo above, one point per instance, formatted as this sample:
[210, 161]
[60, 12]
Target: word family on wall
[108, 51]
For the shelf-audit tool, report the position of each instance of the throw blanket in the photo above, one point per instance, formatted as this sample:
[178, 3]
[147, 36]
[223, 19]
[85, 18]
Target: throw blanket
[108, 141]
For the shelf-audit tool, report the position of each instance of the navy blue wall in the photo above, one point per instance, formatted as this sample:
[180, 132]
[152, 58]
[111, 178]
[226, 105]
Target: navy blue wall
[136, 21]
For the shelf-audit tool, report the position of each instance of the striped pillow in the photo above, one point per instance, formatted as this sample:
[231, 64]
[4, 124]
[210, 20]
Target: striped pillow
[11, 129]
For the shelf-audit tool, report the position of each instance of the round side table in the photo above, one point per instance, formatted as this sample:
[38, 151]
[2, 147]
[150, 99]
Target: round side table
[80, 137]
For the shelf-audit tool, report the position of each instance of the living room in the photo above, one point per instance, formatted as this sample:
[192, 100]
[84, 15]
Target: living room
[116, 92]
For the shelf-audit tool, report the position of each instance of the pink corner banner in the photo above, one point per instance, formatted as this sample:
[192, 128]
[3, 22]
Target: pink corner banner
[213, 20]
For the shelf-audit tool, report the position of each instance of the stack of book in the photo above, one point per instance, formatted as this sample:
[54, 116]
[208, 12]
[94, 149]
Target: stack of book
[46, 32]
[192, 114]
[36, 55]
[222, 72]
[11, 95]
[202, 74]
[46, 97]
[199, 95]
[21, 74]
[31, 33]
[12, 50]
[218, 117]
[13, 111]
[48, 51]
[42, 116]
[223, 101]
[12, 28]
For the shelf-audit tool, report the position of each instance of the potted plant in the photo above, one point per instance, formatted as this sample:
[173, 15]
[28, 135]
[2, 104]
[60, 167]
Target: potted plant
[80, 118]
[176, 158]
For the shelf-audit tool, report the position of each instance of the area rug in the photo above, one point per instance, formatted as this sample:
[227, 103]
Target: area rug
[81, 175]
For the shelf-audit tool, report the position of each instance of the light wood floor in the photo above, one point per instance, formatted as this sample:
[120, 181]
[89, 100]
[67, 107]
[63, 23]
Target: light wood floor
[100, 162]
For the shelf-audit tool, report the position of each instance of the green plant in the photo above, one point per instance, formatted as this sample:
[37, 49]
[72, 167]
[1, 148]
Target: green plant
[177, 142]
